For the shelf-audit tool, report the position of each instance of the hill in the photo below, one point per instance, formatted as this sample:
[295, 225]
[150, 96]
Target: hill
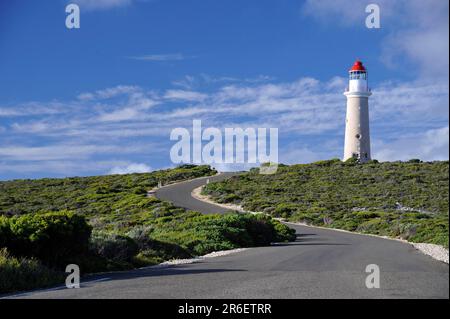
[408, 200]
[105, 223]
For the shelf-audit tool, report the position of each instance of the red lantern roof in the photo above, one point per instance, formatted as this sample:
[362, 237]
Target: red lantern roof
[358, 66]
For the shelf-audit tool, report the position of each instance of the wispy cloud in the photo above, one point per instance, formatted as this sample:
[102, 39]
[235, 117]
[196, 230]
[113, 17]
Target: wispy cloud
[130, 124]
[184, 95]
[108, 93]
[35, 108]
[190, 82]
[61, 151]
[160, 57]
[91, 5]
[60, 168]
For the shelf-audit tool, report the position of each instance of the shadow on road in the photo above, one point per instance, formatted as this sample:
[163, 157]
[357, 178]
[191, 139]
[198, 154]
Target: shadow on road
[310, 244]
[154, 272]
[305, 239]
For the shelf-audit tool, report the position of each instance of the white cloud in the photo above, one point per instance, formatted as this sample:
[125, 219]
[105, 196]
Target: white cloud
[119, 115]
[347, 12]
[91, 5]
[189, 82]
[61, 151]
[35, 108]
[427, 48]
[306, 106]
[184, 95]
[131, 168]
[108, 93]
[430, 145]
[86, 97]
[410, 103]
[119, 103]
[60, 168]
[21, 153]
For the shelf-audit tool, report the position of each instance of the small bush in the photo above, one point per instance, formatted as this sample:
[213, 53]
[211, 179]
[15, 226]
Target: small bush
[283, 233]
[23, 274]
[261, 230]
[114, 247]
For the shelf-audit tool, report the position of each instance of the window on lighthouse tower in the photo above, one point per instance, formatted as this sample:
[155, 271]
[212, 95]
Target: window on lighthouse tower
[357, 75]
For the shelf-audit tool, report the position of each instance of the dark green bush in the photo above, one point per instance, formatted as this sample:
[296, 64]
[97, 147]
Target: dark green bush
[202, 234]
[22, 273]
[284, 210]
[53, 238]
[352, 161]
[114, 247]
[5, 231]
[261, 230]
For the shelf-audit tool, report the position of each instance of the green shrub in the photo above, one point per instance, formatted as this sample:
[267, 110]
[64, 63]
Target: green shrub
[284, 210]
[5, 231]
[352, 161]
[202, 234]
[261, 230]
[114, 247]
[327, 162]
[282, 232]
[23, 274]
[53, 238]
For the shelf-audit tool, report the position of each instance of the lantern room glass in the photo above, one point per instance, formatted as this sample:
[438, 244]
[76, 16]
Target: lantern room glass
[357, 75]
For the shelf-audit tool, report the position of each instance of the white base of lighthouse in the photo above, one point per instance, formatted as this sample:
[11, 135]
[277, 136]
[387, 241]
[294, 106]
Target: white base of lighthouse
[357, 132]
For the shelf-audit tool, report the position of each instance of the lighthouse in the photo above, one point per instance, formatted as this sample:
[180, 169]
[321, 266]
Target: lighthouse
[357, 133]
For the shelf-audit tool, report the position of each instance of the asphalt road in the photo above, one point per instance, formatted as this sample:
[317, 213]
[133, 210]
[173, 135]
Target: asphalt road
[320, 264]
[180, 194]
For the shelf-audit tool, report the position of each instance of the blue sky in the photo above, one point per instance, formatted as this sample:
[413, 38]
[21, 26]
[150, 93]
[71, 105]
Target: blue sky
[104, 98]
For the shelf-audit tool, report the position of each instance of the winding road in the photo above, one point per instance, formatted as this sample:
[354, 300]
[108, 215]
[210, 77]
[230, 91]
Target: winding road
[321, 263]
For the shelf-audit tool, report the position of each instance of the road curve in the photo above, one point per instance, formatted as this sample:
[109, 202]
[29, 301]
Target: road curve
[180, 194]
[322, 263]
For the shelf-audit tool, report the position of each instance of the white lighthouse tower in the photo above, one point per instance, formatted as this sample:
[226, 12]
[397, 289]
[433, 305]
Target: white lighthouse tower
[357, 133]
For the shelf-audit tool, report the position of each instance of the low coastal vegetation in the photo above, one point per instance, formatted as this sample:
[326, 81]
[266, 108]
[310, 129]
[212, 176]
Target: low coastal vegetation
[407, 200]
[107, 223]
